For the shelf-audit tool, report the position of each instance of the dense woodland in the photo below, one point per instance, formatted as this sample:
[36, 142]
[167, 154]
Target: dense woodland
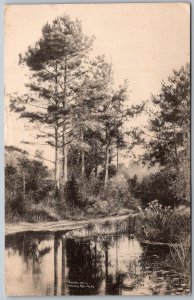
[78, 114]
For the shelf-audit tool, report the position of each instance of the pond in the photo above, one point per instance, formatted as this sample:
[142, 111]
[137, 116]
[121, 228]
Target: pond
[84, 263]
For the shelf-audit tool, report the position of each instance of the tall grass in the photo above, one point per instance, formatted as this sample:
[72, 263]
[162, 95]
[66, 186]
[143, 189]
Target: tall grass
[162, 224]
[180, 256]
[31, 212]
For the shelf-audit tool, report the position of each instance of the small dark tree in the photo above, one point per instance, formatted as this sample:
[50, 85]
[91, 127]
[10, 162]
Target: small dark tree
[72, 194]
[133, 185]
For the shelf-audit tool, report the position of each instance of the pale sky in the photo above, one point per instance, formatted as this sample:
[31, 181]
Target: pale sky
[144, 42]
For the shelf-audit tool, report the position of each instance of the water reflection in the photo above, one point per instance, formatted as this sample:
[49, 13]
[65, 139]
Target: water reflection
[79, 263]
[56, 246]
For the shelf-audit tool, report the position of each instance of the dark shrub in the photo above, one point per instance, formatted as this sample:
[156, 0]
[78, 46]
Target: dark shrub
[160, 186]
[72, 194]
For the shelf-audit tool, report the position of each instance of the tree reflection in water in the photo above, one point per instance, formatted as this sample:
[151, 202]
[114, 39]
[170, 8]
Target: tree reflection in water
[63, 266]
[106, 243]
[86, 263]
[27, 246]
[56, 246]
[84, 266]
[25, 253]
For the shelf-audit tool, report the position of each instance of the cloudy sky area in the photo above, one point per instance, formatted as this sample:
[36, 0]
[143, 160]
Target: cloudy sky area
[144, 42]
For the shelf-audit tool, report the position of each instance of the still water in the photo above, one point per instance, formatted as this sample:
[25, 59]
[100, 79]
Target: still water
[78, 263]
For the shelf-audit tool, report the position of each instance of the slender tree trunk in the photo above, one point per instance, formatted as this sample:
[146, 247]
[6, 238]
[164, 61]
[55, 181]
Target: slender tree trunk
[82, 155]
[65, 159]
[185, 162]
[117, 158]
[176, 164]
[64, 156]
[64, 135]
[106, 166]
[56, 171]
[107, 157]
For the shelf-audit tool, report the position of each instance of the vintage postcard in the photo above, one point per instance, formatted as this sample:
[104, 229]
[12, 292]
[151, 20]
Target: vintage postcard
[97, 149]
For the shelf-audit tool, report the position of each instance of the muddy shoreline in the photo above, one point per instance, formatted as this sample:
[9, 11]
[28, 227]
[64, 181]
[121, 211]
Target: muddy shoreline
[11, 228]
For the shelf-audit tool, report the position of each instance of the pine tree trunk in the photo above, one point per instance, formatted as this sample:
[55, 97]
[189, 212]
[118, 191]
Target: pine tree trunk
[64, 137]
[82, 155]
[106, 159]
[65, 157]
[185, 161]
[56, 171]
[106, 166]
[176, 164]
[117, 159]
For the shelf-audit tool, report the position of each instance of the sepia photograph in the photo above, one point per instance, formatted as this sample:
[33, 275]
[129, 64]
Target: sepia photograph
[97, 110]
